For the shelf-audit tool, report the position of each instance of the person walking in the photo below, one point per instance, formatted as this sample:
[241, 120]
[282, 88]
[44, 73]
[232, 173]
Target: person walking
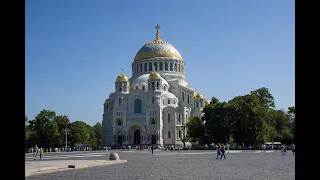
[223, 150]
[40, 153]
[218, 150]
[293, 147]
[35, 152]
[152, 149]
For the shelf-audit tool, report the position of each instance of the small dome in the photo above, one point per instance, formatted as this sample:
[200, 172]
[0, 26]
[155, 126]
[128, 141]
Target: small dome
[197, 95]
[143, 79]
[122, 78]
[154, 75]
[107, 101]
[206, 102]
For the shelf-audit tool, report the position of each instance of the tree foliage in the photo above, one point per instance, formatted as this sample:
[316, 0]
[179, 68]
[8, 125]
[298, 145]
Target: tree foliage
[49, 130]
[248, 119]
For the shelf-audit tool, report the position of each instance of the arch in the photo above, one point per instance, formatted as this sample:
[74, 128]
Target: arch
[157, 85]
[141, 68]
[137, 106]
[150, 66]
[166, 66]
[155, 66]
[137, 69]
[160, 66]
[136, 136]
[119, 122]
[171, 69]
[145, 67]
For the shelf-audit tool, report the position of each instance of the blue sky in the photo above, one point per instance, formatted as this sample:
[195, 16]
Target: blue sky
[75, 49]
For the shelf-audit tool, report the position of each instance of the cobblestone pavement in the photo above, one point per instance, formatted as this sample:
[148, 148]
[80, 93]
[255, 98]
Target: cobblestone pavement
[240, 166]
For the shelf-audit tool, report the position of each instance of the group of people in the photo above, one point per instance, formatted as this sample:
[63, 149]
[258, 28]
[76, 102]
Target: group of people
[221, 149]
[36, 151]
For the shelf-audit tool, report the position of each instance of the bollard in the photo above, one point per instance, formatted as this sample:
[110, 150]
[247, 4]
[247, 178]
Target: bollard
[114, 156]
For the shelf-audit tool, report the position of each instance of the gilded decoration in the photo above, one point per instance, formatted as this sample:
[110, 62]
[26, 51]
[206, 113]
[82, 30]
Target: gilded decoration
[153, 120]
[122, 78]
[107, 101]
[158, 48]
[206, 102]
[154, 75]
[197, 95]
[119, 121]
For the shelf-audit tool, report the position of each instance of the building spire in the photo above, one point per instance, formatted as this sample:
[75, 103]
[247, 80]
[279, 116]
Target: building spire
[157, 34]
[121, 71]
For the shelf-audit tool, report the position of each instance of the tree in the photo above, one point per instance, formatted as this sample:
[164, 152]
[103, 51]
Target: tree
[82, 133]
[43, 128]
[218, 122]
[214, 100]
[97, 128]
[249, 116]
[195, 129]
[63, 122]
[264, 96]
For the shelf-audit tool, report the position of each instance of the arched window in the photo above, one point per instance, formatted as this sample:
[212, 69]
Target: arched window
[166, 66]
[174, 101]
[119, 122]
[168, 101]
[142, 87]
[160, 66]
[169, 134]
[179, 118]
[140, 67]
[145, 67]
[171, 67]
[150, 66]
[168, 118]
[175, 67]
[137, 106]
[155, 66]
[153, 121]
[164, 88]
[157, 85]
[153, 86]
[179, 135]
[178, 67]
[152, 100]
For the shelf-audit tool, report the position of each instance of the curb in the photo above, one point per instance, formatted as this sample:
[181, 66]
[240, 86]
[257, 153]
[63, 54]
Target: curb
[44, 170]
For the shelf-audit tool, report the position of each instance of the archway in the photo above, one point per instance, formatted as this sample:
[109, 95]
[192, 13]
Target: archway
[137, 106]
[136, 137]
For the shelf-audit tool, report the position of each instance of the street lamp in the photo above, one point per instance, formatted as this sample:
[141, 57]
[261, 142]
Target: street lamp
[66, 138]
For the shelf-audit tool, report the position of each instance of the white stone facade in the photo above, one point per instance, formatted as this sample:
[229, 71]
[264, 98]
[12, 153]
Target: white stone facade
[152, 106]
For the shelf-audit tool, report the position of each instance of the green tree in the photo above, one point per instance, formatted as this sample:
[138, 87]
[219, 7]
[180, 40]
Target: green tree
[97, 128]
[81, 133]
[63, 122]
[218, 122]
[41, 127]
[264, 96]
[195, 129]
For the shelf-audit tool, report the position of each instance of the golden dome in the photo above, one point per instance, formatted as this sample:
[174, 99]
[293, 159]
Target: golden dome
[122, 78]
[154, 75]
[107, 101]
[206, 102]
[197, 95]
[158, 48]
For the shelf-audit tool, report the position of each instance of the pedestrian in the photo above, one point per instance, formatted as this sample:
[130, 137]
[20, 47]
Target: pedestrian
[223, 150]
[152, 149]
[40, 153]
[218, 150]
[35, 152]
[293, 147]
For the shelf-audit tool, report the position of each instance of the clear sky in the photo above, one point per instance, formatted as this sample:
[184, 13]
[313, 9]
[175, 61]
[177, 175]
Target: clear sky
[75, 49]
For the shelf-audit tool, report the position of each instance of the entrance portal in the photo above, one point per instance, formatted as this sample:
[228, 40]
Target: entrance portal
[119, 140]
[153, 139]
[136, 137]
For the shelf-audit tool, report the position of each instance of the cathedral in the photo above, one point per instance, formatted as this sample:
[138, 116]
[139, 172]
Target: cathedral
[153, 105]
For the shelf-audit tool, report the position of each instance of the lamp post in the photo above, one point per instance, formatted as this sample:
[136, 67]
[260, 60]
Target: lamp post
[66, 138]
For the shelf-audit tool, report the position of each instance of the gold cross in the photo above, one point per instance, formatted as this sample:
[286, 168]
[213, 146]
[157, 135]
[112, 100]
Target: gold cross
[157, 27]
[122, 70]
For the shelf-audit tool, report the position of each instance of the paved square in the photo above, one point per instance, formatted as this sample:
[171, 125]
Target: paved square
[186, 165]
